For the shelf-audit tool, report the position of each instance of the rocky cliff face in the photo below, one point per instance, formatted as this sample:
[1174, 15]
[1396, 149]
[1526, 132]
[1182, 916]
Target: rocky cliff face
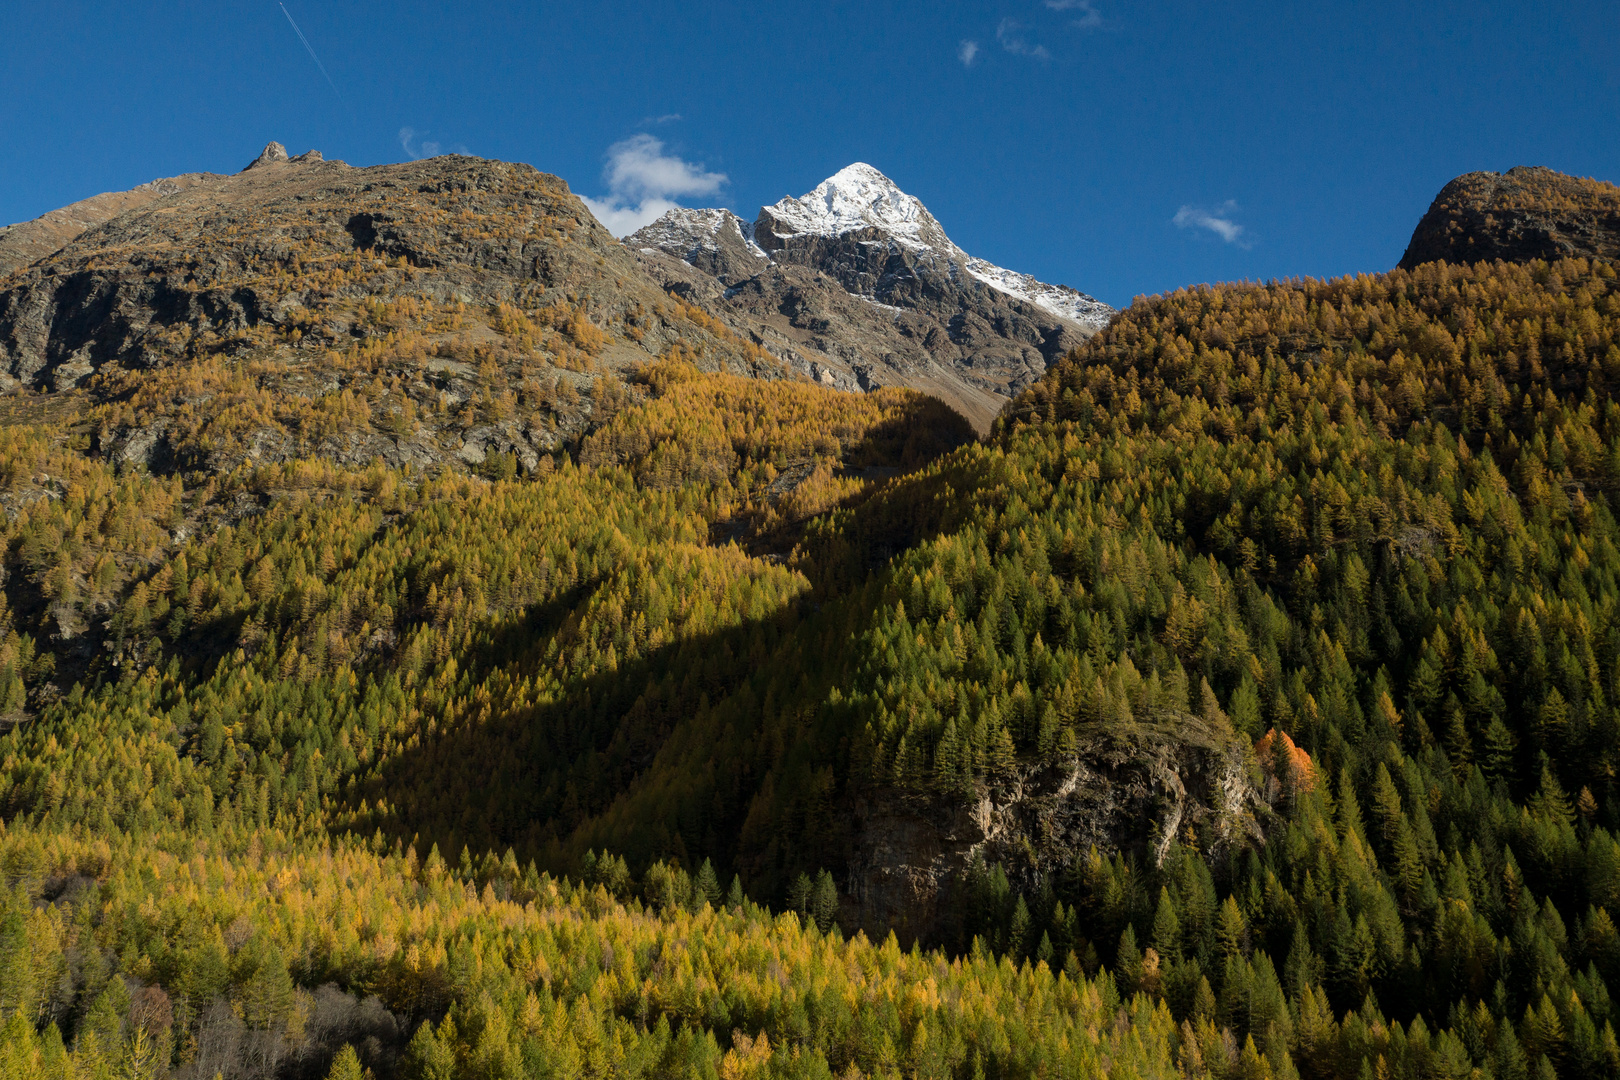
[858, 285]
[1146, 786]
[465, 307]
[1523, 214]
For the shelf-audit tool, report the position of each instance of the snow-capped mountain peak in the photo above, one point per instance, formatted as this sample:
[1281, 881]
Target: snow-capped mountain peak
[856, 197]
[856, 285]
[859, 197]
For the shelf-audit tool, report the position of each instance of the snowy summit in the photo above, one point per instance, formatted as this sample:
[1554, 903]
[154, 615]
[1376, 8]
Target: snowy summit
[859, 197]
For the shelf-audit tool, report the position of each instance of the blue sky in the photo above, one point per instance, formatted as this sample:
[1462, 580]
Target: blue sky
[1119, 146]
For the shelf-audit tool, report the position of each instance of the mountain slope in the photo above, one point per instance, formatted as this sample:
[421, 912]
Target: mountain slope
[1245, 706]
[30, 241]
[430, 312]
[858, 285]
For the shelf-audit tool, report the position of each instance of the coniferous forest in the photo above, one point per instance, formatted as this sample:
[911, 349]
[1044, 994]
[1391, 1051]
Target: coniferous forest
[1266, 654]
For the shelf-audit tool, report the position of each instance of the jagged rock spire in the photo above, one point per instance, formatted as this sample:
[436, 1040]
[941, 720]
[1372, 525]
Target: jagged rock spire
[272, 153]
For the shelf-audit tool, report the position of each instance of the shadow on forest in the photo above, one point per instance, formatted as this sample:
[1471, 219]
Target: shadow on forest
[719, 745]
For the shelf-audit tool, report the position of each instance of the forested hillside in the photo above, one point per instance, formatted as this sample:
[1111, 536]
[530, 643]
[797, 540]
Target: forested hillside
[1247, 705]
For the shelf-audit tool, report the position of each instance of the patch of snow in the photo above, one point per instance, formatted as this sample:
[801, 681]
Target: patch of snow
[747, 230]
[1060, 300]
[895, 311]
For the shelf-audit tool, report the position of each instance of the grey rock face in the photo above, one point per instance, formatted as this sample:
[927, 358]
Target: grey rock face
[717, 242]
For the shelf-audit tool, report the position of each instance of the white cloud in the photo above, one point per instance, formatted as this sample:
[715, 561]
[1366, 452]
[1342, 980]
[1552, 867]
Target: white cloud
[643, 183]
[1219, 221]
[967, 52]
[1011, 35]
[639, 168]
[1089, 16]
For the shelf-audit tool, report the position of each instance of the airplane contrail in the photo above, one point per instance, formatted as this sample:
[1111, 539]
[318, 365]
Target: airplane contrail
[311, 50]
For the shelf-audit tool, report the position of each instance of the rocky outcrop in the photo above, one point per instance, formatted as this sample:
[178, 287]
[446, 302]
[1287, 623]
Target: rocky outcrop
[1523, 214]
[1141, 786]
[857, 284]
[272, 154]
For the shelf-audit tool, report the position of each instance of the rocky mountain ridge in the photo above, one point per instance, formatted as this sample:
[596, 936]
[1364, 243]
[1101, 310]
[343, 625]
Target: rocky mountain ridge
[859, 285]
[716, 241]
[436, 311]
[856, 286]
[30, 241]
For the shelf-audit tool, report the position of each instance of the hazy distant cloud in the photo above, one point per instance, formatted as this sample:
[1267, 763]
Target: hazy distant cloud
[1089, 16]
[416, 147]
[1019, 39]
[407, 136]
[1218, 221]
[667, 118]
[1010, 33]
[643, 183]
